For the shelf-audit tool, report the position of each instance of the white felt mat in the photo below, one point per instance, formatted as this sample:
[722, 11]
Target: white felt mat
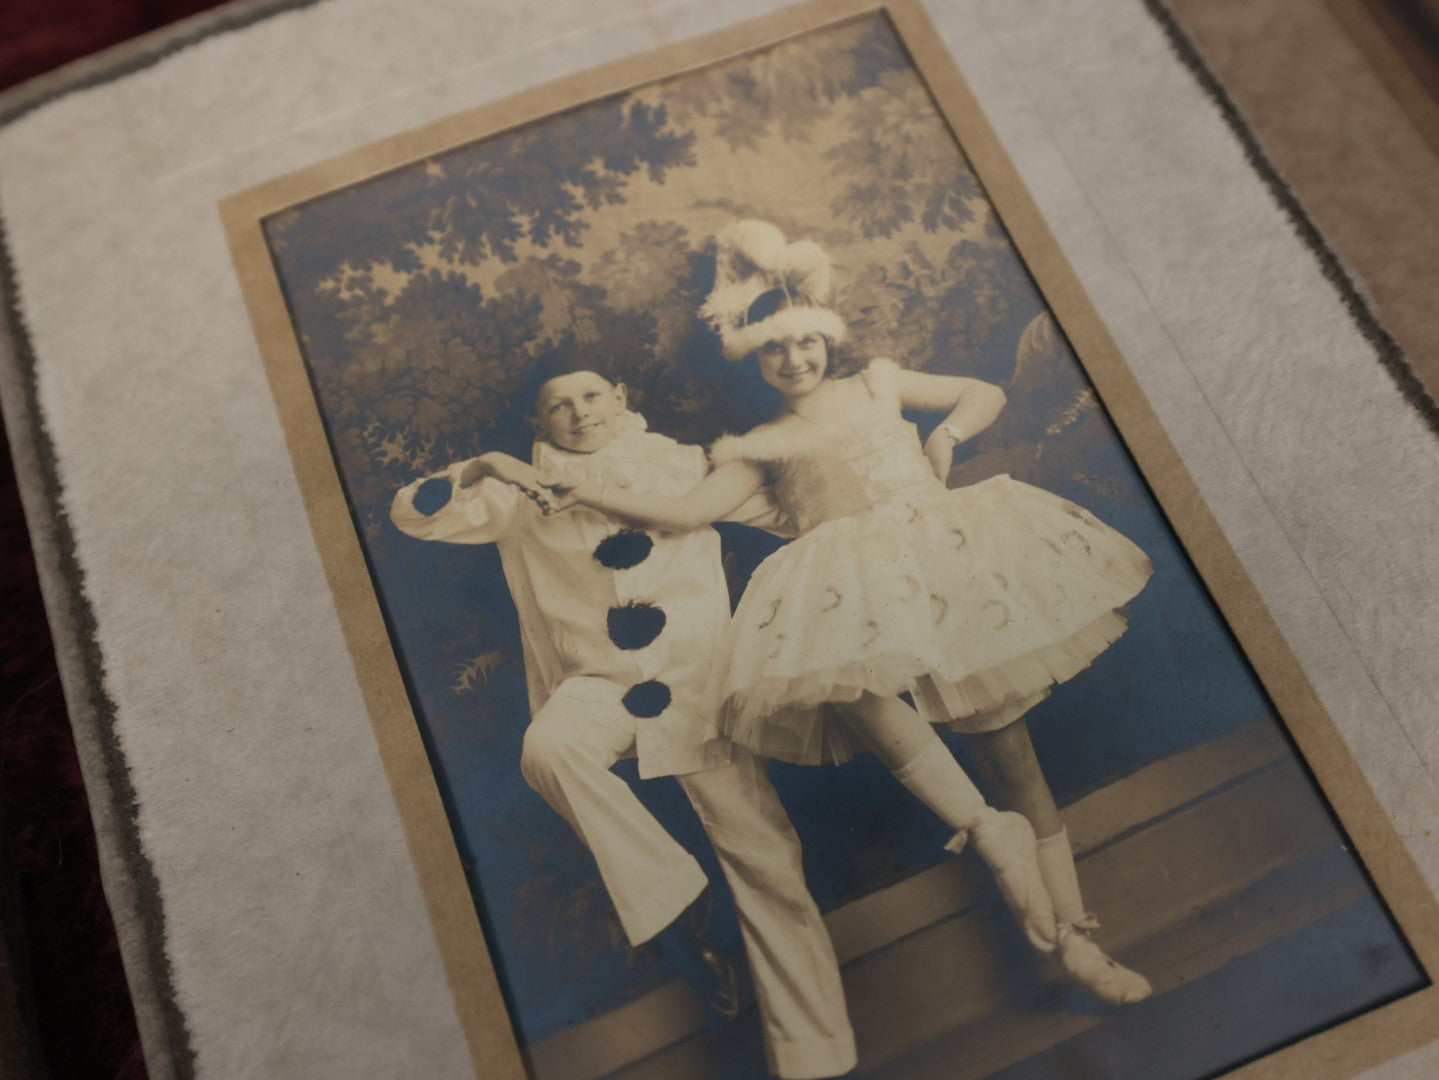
[297, 932]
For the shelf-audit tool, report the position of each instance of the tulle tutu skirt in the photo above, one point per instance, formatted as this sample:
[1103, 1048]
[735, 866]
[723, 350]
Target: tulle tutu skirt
[974, 601]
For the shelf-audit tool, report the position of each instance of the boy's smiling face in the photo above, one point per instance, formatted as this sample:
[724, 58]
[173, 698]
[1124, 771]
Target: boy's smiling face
[580, 411]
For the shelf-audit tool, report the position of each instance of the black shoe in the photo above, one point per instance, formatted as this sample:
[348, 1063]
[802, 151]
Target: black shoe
[717, 985]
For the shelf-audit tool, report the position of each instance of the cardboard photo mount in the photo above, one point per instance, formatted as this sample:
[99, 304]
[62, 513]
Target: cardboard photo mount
[1347, 1048]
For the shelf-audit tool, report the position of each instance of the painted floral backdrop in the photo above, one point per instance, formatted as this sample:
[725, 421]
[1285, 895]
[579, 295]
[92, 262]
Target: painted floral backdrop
[424, 297]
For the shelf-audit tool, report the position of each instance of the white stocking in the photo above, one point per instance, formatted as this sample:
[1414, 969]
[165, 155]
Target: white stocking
[940, 782]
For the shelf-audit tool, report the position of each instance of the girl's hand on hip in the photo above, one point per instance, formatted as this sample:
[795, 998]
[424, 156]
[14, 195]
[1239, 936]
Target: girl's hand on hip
[939, 449]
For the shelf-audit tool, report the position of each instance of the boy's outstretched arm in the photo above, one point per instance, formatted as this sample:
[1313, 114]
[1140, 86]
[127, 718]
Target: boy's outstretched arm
[471, 502]
[507, 469]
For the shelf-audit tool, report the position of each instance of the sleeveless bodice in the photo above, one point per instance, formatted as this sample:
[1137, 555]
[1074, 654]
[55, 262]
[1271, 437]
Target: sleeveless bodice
[844, 473]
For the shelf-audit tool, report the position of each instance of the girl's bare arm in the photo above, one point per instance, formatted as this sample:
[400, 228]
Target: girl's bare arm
[971, 404]
[712, 499]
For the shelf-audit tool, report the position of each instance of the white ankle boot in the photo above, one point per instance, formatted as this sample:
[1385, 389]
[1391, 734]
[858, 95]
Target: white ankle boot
[1082, 962]
[1005, 841]
[1088, 966]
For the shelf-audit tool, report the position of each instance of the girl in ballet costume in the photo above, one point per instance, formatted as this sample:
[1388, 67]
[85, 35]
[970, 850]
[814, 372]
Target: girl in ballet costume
[974, 602]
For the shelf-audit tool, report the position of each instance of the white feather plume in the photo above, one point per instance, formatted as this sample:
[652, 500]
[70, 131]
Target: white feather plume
[752, 258]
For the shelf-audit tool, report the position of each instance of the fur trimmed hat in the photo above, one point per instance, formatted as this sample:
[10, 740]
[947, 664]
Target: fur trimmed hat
[767, 289]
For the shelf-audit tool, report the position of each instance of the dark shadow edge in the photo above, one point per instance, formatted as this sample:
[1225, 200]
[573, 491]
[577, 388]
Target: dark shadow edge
[79, 636]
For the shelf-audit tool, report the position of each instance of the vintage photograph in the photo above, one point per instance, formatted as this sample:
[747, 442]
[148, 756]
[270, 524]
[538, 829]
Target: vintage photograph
[813, 682]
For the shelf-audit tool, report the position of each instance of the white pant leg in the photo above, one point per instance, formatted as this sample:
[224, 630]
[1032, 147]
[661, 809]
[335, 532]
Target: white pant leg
[796, 975]
[569, 749]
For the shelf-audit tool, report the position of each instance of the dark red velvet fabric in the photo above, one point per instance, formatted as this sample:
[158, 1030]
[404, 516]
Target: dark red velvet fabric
[38, 35]
[85, 1019]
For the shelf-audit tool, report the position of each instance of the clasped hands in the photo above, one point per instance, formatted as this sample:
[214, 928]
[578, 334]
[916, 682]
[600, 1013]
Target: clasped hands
[551, 493]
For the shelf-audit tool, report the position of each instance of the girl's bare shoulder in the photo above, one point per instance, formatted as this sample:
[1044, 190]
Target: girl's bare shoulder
[881, 375]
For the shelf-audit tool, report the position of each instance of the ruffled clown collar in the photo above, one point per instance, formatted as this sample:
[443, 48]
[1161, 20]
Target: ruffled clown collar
[636, 459]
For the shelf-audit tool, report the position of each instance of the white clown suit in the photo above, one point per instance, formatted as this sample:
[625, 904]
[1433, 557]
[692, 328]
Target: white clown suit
[619, 630]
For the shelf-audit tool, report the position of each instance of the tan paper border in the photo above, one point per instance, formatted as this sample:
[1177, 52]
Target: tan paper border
[1339, 1051]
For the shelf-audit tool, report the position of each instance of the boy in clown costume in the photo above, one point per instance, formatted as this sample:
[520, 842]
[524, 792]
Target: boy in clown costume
[619, 631]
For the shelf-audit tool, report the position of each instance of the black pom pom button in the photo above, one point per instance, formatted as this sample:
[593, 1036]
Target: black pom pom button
[432, 495]
[635, 625]
[624, 549]
[647, 699]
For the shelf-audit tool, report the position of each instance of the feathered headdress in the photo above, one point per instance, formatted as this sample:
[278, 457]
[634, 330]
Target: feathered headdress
[753, 260]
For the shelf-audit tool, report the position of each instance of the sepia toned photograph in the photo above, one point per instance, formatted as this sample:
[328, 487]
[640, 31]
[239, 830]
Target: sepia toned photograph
[812, 679]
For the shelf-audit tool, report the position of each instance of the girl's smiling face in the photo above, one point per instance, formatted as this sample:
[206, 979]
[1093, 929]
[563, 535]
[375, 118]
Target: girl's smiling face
[794, 366]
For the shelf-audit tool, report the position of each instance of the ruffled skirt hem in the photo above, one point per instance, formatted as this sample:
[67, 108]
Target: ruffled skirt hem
[787, 718]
